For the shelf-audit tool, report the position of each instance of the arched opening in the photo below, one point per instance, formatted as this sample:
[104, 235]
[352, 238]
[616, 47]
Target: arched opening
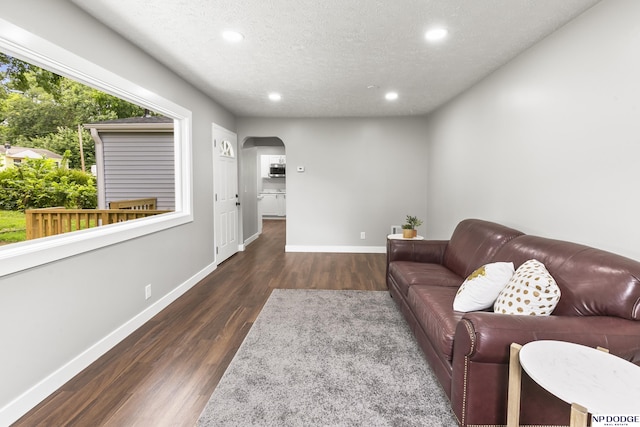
[264, 191]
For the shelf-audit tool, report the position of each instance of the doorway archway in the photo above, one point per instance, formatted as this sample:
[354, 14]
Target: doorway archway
[258, 153]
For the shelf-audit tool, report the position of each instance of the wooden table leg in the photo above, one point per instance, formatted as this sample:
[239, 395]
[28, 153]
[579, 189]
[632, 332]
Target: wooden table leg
[579, 416]
[515, 384]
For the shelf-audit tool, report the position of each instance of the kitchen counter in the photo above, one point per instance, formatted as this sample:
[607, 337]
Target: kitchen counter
[273, 192]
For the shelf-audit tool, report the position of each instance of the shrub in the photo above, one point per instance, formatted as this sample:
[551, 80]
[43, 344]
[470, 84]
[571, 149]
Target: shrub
[39, 183]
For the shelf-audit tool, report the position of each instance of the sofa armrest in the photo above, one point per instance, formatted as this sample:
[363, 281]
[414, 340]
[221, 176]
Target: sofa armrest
[485, 337]
[427, 251]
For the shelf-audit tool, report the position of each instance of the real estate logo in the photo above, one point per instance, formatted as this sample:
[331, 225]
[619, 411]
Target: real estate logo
[606, 420]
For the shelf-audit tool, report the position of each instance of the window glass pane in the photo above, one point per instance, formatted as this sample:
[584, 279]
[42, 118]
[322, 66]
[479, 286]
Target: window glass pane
[69, 152]
[53, 62]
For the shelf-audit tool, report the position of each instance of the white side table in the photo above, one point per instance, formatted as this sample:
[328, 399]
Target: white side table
[590, 380]
[399, 237]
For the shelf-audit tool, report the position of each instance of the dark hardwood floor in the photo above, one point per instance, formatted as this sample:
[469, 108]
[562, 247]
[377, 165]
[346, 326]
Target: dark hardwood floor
[164, 373]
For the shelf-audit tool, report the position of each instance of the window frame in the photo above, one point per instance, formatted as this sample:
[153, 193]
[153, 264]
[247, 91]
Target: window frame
[22, 44]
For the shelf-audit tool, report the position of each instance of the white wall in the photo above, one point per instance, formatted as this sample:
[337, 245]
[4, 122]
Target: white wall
[361, 174]
[56, 317]
[550, 143]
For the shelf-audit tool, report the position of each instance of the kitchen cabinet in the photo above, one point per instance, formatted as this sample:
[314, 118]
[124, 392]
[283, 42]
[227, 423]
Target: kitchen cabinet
[282, 204]
[265, 162]
[269, 205]
[274, 204]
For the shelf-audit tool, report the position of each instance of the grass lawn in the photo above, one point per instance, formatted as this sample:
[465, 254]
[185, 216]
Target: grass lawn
[13, 227]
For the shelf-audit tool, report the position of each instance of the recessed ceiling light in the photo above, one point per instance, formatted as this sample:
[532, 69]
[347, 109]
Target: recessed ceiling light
[275, 96]
[391, 96]
[232, 36]
[436, 34]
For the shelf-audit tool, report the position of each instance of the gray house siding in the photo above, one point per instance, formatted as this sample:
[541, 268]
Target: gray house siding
[139, 165]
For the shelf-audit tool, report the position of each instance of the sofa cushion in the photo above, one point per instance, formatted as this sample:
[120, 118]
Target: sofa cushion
[593, 282]
[407, 273]
[480, 290]
[474, 243]
[431, 306]
[531, 291]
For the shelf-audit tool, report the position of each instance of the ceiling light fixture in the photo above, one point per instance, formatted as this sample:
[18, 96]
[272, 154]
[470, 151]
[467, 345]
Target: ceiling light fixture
[232, 36]
[436, 34]
[275, 97]
[391, 96]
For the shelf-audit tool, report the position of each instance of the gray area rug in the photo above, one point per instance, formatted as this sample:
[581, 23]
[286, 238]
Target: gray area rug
[328, 358]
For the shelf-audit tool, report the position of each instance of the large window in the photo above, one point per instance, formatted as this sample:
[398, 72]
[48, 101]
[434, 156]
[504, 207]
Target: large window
[25, 46]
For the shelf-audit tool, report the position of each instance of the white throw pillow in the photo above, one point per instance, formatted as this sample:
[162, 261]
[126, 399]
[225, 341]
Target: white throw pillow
[531, 291]
[481, 288]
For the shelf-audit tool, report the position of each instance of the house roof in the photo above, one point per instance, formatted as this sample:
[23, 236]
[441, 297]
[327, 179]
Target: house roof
[29, 153]
[146, 123]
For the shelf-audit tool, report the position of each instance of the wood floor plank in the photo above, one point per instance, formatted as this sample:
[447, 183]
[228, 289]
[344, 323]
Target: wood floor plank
[164, 373]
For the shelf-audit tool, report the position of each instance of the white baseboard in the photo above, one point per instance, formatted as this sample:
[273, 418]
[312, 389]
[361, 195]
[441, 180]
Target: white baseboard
[29, 399]
[337, 249]
[251, 239]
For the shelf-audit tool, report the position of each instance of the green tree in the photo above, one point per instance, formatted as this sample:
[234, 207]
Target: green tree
[20, 75]
[41, 109]
[31, 115]
[66, 139]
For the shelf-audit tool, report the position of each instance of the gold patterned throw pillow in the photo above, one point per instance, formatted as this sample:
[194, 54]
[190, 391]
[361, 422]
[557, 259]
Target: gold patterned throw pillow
[531, 291]
[481, 288]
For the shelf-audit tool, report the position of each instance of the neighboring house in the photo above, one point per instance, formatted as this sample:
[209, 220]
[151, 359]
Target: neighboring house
[13, 156]
[135, 160]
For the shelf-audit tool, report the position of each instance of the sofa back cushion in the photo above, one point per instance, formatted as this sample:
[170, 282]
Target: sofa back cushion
[474, 243]
[592, 282]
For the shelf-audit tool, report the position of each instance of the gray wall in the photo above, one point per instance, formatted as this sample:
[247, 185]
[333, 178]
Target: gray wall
[51, 314]
[360, 174]
[139, 165]
[550, 143]
[249, 193]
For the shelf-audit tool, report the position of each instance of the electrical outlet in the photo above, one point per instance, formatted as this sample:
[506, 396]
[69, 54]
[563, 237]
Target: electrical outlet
[362, 235]
[147, 291]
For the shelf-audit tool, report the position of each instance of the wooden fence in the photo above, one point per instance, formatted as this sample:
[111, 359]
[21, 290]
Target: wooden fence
[135, 204]
[51, 221]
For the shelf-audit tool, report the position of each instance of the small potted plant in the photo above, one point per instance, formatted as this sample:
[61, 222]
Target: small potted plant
[409, 228]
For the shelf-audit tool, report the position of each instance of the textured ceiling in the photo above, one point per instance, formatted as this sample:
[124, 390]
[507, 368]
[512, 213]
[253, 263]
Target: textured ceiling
[322, 55]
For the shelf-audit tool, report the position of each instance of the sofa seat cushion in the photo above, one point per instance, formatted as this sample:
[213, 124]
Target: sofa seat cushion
[432, 307]
[408, 273]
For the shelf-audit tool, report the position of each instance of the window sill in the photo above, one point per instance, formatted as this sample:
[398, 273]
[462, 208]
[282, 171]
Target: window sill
[21, 256]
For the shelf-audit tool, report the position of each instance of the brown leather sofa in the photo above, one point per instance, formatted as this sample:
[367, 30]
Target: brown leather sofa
[469, 352]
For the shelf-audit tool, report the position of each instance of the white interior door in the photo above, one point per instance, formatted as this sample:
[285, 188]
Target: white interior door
[226, 201]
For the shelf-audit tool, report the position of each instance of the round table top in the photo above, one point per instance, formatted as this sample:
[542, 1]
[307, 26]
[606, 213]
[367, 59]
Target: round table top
[399, 237]
[599, 381]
